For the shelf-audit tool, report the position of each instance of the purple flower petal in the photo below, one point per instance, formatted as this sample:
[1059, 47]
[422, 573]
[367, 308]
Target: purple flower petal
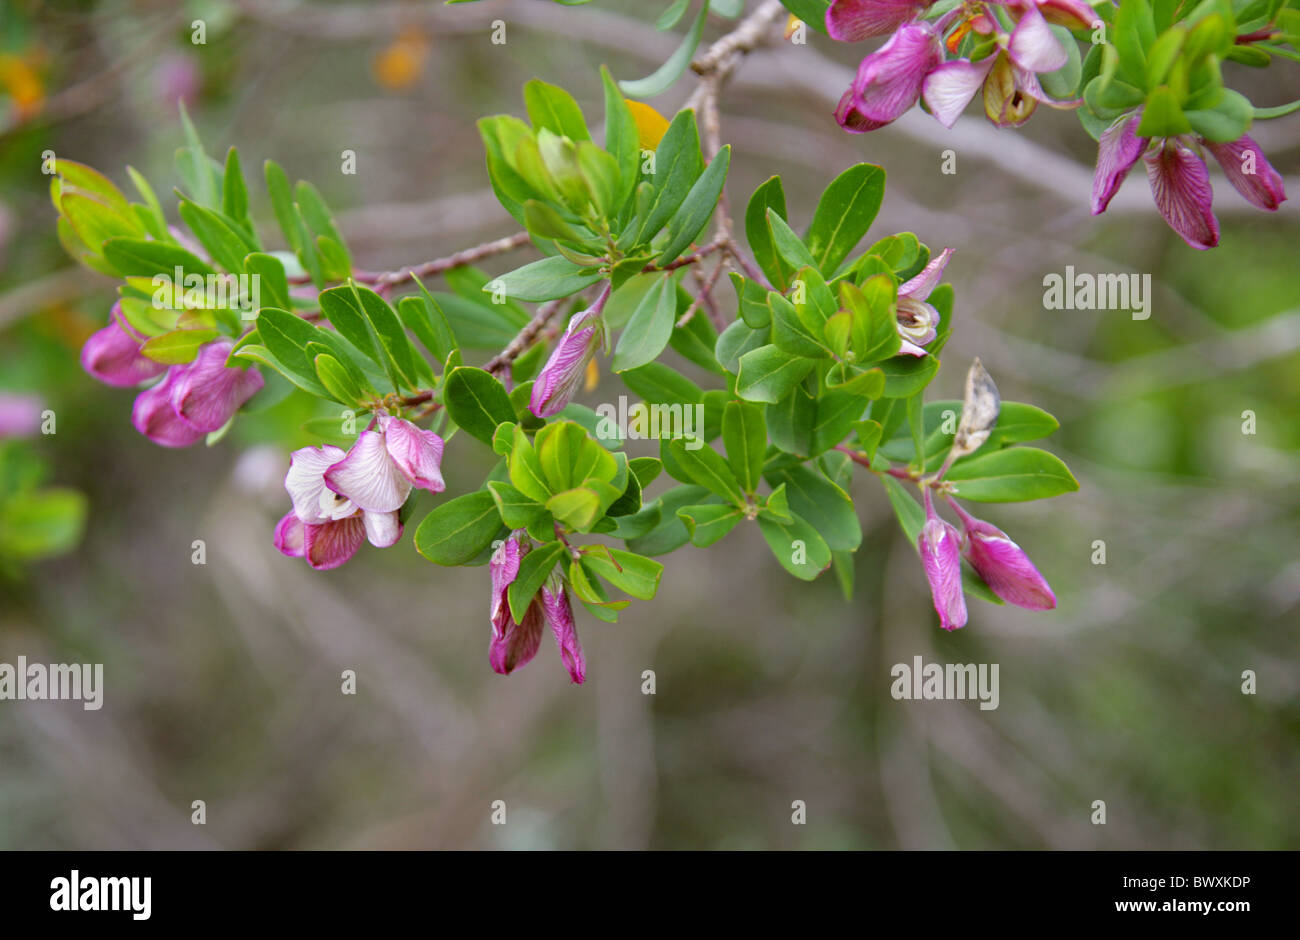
[889, 80]
[518, 643]
[1072, 14]
[332, 544]
[113, 355]
[290, 536]
[1033, 46]
[369, 476]
[382, 528]
[1180, 184]
[855, 20]
[920, 286]
[563, 373]
[559, 614]
[417, 453]
[155, 418]
[313, 502]
[208, 393]
[1117, 150]
[941, 556]
[1005, 567]
[1249, 172]
[504, 567]
[851, 119]
[951, 87]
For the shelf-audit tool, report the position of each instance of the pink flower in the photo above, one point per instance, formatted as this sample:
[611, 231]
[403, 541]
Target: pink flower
[20, 415]
[888, 82]
[1117, 150]
[194, 399]
[940, 551]
[1009, 77]
[113, 355]
[1003, 565]
[855, 20]
[1249, 172]
[384, 465]
[324, 527]
[559, 614]
[918, 321]
[515, 644]
[1180, 182]
[559, 379]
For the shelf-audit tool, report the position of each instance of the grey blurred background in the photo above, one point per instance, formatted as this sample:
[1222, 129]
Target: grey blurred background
[223, 681]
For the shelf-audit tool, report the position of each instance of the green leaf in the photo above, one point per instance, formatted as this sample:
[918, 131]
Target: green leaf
[705, 466]
[338, 381]
[621, 137]
[424, 317]
[234, 193]
[709, 523]
[845, 211]
[770, 195]
[534, 568]
[791, 334]
[225, 240]
[277, 186]
[272, 282]
[674, 66]
[1013, 475]
[744, 434]
[767, 374]
[633, 574]
[178, 346]
[1162, 116]
[525, 468]
[822, 503]
[678, 164]
[477, 402]
[796, 545]
[736, 340]
[649, 329]
[518, 510]
[693, 214]
[456, 532]
[552, 107]
[658, 383]
[836, 412]
[547, 279]
[788, 244]
[577, 508]
[138, 257]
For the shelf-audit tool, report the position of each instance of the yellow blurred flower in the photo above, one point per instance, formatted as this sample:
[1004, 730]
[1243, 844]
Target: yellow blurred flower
[650, 124]
[399, 65]
[21, 82]
[592, 378]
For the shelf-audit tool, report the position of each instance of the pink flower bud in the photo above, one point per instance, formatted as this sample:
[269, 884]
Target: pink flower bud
[1004, 566]
[941, 556]
[113, 355]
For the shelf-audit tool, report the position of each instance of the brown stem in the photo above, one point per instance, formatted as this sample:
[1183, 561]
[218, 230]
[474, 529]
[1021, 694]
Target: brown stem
[384, 280]
[525, 337]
